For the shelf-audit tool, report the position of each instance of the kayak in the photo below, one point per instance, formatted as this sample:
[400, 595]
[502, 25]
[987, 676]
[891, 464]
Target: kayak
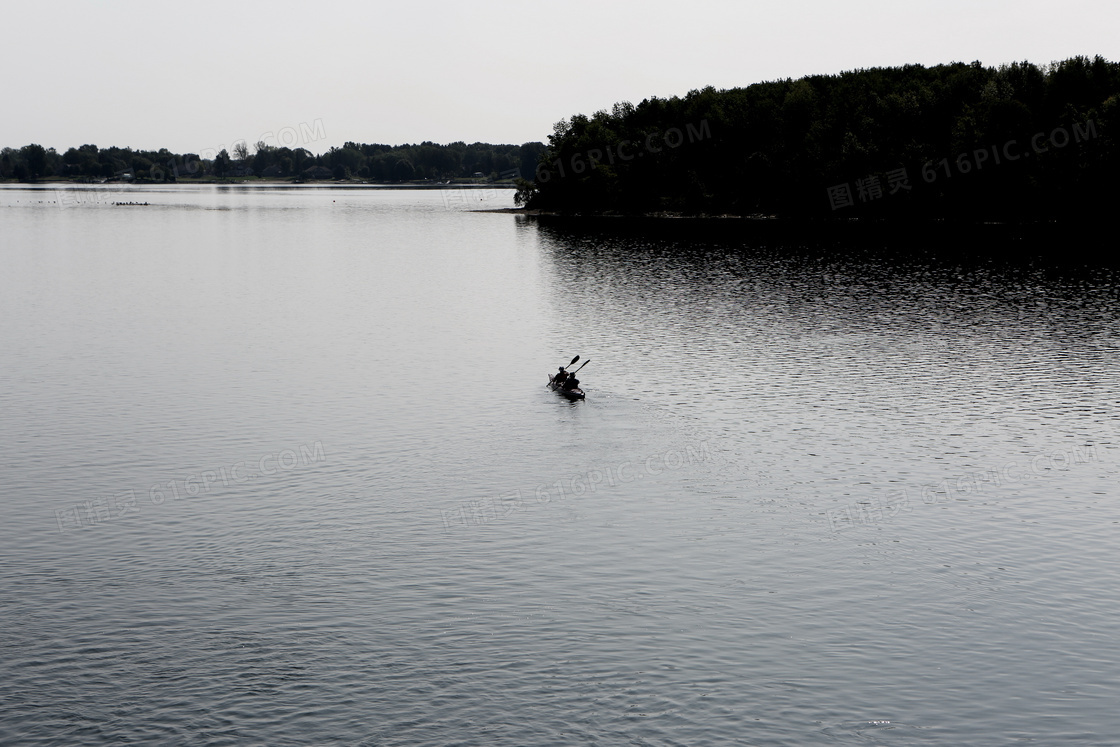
[572, 394]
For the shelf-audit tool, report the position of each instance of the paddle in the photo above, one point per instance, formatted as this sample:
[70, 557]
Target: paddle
[572, 363]
[571, 377]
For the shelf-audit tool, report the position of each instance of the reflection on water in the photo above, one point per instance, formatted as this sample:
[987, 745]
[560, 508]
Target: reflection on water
[720, 323]
[817, 492]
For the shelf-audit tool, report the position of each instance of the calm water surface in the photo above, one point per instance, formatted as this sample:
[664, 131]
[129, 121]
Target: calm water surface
[279, 468]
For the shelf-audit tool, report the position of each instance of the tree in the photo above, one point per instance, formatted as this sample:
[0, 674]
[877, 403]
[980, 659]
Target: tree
[241, 150]
[221, 163]
[301, 159]
[191, 165]
[265, 157]
[525, 192]
[141, 167]
[35, 156]
[402, 171]
[528, 156]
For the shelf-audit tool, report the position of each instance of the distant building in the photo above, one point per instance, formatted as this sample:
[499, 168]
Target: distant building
[318, 172]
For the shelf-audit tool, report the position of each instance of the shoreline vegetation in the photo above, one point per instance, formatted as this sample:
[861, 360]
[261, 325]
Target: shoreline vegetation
[1020, 143]
[957, 143]
[481, 183]
[428, 163]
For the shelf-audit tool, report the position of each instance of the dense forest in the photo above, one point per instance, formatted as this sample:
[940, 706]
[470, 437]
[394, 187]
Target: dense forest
[957, 141]
[372, 162]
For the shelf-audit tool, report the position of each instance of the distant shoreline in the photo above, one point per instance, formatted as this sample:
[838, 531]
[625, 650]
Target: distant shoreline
[1028, 232]
[263, 181]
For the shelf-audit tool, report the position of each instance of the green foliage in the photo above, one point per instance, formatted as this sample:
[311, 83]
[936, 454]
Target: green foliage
[776, 147]
[427, 160]
[376, 162]
[525, 192]
[221, 163]
[35, 158]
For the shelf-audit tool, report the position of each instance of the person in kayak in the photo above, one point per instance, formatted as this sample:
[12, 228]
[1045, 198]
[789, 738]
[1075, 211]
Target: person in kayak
[571, 383]
[561, 377]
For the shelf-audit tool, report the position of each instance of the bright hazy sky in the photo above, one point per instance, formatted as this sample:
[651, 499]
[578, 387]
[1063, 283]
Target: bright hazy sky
[202, 75]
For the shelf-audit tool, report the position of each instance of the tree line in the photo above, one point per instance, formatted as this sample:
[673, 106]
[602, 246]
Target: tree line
[1014, 142]
[372, 162]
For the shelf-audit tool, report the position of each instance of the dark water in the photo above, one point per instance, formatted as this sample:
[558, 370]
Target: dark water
[279, 468]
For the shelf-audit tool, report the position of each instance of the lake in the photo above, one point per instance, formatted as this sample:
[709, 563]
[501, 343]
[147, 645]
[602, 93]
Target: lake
[279, 467]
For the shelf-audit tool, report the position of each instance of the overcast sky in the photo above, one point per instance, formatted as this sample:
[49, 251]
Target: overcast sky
[202, 75]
